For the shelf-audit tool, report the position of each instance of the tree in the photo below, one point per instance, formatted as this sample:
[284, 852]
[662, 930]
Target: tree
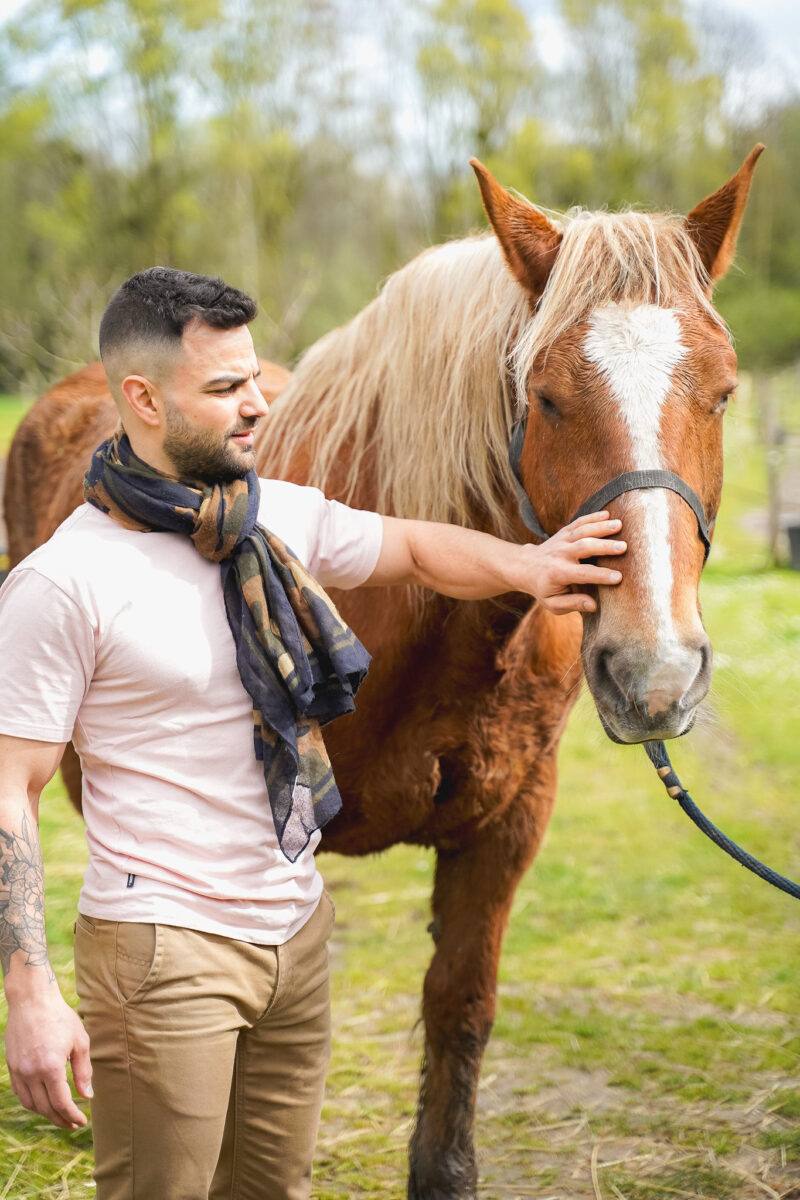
[644, 100]
[761, 300]
[479, 75]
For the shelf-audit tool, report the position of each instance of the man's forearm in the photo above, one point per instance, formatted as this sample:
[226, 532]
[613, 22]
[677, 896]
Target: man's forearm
[474, 566]
[23, 945]
[42, 1031]
[469, 565]
[466, 564]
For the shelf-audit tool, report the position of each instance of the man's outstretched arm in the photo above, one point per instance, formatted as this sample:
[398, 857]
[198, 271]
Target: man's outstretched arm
[42, 1031]
[474, 566]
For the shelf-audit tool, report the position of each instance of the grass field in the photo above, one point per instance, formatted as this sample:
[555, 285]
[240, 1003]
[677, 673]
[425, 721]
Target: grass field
[647, 1040]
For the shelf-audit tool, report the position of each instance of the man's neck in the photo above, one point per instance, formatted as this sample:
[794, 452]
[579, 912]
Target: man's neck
[151, 453]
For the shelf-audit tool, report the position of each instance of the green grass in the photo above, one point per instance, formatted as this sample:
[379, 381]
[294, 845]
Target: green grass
[647, 1041]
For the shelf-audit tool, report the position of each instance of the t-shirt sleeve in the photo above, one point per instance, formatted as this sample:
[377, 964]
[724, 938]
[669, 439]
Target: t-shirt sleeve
[47, 652]
[347, 545]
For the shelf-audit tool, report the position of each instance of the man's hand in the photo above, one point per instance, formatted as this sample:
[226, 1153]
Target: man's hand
[42, 1033]
[475, 566]
[558, 566]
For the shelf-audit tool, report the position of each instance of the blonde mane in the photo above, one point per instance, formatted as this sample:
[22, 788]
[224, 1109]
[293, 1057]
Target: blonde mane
[419, 391]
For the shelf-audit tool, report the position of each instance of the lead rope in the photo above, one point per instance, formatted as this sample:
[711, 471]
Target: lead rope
[657, 753]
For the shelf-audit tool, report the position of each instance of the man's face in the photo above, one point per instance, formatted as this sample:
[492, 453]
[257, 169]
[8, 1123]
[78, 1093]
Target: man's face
[212, 404]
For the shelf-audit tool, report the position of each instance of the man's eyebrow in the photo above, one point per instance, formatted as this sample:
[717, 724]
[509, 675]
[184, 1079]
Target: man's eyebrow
[229, 380]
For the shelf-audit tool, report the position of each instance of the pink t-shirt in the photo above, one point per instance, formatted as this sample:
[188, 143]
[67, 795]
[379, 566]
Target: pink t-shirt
[119, 640]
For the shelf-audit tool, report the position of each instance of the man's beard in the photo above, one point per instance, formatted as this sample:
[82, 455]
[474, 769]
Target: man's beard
[200, 454]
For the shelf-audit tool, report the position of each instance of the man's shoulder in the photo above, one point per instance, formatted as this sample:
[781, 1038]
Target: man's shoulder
[87, 545]
[339, 545]
[288, 506]
[297, 514]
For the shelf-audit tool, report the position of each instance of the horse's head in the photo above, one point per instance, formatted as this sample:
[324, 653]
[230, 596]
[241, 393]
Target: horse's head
[626, 366]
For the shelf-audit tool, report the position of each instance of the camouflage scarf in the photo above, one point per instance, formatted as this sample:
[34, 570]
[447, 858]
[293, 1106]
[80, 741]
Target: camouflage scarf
[299, 662]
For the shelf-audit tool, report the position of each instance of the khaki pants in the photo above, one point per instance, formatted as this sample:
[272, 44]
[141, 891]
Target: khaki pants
[209, 1059]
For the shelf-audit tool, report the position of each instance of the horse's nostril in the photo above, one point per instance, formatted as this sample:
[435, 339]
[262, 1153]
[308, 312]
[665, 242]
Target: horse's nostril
[705, 660]
[604, 676]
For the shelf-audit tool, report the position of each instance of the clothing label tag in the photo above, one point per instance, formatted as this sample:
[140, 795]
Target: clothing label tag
[131, 881]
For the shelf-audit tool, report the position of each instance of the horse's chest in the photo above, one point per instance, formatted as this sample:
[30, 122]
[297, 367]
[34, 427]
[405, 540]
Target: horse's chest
[448, 736]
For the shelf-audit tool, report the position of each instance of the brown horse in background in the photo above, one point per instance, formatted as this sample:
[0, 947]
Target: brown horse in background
[602, 329]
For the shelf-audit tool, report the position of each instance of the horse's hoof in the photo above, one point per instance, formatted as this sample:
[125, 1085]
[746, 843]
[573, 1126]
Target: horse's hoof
[452, 1177]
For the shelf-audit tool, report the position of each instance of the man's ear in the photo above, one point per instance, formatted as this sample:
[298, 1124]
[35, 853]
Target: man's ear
[530, 242]
[139, 393]
[714, 224]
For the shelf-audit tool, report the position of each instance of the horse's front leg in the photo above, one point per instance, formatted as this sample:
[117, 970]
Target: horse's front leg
[472, 896]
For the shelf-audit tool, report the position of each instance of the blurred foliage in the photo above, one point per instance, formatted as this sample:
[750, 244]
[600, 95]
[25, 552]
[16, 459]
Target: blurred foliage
[304, 151]
[478, 72]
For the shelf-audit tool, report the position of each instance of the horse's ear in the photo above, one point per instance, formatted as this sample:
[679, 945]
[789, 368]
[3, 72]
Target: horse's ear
[530, 242]
[714, 224]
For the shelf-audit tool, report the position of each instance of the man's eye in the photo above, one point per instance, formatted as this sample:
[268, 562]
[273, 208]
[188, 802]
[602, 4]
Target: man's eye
[226, 391]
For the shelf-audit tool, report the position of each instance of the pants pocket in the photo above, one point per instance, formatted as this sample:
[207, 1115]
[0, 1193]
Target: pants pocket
[326, 894]
[136, 959]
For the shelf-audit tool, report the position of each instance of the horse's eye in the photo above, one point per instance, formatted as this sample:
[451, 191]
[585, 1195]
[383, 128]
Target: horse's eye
[547, 407]
[723, 404]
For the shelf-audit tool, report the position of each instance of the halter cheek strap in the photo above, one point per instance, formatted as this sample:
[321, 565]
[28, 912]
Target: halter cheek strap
[629, 481]
[526, 509]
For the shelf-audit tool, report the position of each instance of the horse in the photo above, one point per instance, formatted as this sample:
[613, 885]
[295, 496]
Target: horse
[599, 329]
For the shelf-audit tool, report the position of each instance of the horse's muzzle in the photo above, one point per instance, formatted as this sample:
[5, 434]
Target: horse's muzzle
[641, 696]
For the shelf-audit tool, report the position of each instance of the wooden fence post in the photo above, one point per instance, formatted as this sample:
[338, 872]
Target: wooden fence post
[765, 392]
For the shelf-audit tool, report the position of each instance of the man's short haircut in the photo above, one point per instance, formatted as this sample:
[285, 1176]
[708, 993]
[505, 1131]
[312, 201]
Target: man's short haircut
[156, 306]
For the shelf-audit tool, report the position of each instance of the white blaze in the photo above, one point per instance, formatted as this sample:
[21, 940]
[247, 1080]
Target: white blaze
[636, 350]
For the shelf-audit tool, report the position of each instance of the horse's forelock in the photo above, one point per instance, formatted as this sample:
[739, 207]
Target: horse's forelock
[628, 258]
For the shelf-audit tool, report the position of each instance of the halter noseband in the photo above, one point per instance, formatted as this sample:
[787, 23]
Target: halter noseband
[628, 481]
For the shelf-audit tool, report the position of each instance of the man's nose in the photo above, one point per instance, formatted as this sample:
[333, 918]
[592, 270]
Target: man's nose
[252, 403]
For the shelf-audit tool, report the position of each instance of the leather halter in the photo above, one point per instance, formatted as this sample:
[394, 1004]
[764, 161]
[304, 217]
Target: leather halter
[628, 481]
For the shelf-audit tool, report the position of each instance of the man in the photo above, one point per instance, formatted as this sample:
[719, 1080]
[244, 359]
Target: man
[177, 606]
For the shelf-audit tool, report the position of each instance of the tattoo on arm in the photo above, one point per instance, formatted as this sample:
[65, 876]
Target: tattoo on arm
[22, 898]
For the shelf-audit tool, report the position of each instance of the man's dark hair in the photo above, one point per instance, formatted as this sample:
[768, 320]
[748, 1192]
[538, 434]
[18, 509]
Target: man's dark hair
[157, 305]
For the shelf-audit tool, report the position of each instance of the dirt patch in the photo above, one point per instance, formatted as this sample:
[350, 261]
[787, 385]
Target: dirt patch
[578, 1138]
